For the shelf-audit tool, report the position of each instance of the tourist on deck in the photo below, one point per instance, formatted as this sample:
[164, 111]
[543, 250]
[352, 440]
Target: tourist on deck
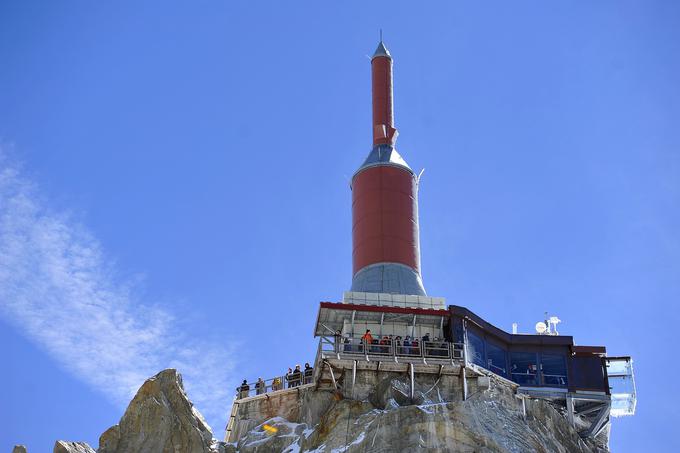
[296, 377]
[384, 345]
[425, 340]
[244, 390]
[289, 378]
[337, 339]
[398, 345]
[375, 347]
[415, 347]
[407, 345]
[366, 340]
[347, 344]
[276, 384]
[308, 373]
[260, 386]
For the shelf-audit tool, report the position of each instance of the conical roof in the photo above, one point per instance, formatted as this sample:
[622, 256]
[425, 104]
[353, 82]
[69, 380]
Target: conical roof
[381, 51]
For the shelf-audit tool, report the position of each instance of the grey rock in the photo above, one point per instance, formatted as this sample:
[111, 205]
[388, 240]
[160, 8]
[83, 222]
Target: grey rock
[160, 418]
[490, 421]
[19, 449]
[61, 446]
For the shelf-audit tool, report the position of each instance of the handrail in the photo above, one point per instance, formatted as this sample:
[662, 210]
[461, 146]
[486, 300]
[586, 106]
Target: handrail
[391, 347]
[286, 381]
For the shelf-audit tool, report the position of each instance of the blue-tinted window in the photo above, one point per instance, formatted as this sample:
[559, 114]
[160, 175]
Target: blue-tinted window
[554, 368]
[496, 359]
[523, 368]
[475, 349]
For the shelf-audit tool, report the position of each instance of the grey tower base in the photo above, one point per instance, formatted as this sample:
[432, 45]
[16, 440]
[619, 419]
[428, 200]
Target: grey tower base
[389, 278]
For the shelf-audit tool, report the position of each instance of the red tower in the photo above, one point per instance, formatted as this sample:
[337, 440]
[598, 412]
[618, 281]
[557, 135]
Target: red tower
[386, 244]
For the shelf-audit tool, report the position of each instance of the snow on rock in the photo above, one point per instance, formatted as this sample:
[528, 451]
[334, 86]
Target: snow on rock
[489, 421]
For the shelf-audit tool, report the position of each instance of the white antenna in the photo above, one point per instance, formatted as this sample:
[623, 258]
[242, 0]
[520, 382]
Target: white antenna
[549, 326]
[554, 320]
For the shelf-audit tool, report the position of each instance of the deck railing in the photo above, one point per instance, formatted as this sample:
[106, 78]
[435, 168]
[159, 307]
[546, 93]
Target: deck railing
[274, 384]
[434, 349]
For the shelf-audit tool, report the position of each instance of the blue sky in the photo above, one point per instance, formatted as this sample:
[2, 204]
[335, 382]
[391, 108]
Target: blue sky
[174, 187]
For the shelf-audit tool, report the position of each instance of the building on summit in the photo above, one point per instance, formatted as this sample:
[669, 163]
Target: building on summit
[388, 323]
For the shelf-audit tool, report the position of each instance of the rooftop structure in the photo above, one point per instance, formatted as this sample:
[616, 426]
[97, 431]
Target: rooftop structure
[387, 322]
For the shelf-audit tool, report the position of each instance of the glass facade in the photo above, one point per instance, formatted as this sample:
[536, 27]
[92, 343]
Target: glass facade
[475, 349]
[622, 385]
[496, 360]
[531, 369]
[554, 370]
[524, 369]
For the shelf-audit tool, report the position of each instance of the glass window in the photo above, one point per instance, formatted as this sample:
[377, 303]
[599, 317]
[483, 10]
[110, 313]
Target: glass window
[622, 385]
[523, 368]
[554, 368]
[475, 349]
[496, 359]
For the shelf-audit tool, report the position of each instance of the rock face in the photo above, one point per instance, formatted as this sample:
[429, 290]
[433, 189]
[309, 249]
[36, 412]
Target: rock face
[160, 418]
[72, 447]
[491, 420]
[19, 449]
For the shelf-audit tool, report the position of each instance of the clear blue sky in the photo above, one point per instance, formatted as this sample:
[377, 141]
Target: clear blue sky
[174, 187]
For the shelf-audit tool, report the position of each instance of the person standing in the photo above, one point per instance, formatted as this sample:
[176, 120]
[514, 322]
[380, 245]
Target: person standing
[276, 384]
[260, 386]
[244, 390]
[367, 340]
[289, 378]
[308, 373]
[296, 377]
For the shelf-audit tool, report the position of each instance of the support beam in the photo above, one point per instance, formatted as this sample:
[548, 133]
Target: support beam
[570, 410]
[335, 383]
[354, 374]
[464, 382]
[598, 422]
[589, 408]
[354, 312]
[413, 381]
[382, 321]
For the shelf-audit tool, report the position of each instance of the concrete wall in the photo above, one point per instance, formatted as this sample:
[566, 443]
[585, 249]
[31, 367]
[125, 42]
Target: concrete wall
[299, 405]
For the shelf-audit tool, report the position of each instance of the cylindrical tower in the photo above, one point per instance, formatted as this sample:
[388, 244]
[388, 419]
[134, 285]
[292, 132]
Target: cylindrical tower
[386, 244]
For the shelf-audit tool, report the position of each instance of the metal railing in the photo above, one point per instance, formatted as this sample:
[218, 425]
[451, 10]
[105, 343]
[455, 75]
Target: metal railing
[386, 347]
[539, 378]
[286, 381]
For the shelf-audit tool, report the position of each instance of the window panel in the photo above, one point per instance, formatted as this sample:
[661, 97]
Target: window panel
[554, 368]
[496, 360]
[523, 366]
[475, 349]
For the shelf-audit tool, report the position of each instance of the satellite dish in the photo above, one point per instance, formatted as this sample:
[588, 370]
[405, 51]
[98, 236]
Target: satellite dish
[540, 327]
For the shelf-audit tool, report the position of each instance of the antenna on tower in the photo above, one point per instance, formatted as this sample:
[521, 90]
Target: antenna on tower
[381, 35]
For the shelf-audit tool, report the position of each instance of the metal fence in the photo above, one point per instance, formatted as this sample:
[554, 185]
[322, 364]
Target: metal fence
[274, 384]
[392, 347]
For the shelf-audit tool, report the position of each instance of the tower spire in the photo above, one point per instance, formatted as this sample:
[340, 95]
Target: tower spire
[384, 132]
[385, 238]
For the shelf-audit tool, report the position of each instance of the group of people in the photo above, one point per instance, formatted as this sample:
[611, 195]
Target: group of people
[298, 377]
[404, 346]
[293, 378]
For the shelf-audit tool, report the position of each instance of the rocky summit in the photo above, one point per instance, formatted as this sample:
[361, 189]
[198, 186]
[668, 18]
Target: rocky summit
[162, 419]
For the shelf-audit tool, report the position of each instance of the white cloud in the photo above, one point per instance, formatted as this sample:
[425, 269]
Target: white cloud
[57, 285]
